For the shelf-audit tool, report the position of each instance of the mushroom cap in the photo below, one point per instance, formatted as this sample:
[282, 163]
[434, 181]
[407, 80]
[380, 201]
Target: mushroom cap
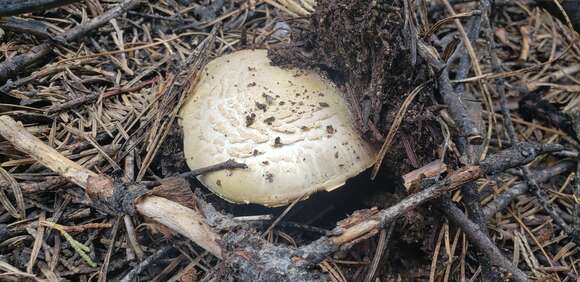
[291, 127]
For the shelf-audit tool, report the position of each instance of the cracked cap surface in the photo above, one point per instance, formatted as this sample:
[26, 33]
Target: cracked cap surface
[291, 127]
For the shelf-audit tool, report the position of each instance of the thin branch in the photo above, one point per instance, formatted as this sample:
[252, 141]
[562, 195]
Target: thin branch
[132, 275]
[456, 105]
[503, 200]
[15, 7]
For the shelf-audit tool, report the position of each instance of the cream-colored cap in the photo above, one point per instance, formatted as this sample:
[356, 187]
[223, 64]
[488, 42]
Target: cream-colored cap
[291, 127]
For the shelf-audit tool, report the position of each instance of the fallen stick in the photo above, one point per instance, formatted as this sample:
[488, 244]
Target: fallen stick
[415, 177]
[505, 198]
[185, 221]
[15, 7]
[454, 102]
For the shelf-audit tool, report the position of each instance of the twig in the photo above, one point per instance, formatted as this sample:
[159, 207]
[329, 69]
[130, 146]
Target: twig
[129, 227]
[503, 200]
[552, 210]
[525, 50]
[52, 182]
[16, 64]
[384, 239]
[32, 27]
[471, 196]
[281, 216]
[84, 227]
[467, 52]
[105, 266]
[132, 275]
[457, 107]
[229, 164]
[471, 199]
[15, 7]
[499, 82]
[429, 170]
[576, 120]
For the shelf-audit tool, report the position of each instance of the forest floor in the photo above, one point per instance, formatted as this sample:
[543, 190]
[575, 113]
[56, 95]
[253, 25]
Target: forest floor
[451, 87]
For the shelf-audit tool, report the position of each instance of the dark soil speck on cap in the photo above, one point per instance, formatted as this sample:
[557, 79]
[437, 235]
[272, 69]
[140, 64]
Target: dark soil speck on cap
[250, 119]
[261, 106]
[277, 142]
[330, 129]
[269, 120]
[270, 177]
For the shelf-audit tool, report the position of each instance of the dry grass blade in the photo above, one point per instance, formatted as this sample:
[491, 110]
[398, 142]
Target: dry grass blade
[10, 270]
[16, 191]
[395, 127]
[38, 240]
[163, 114]
[295, 8]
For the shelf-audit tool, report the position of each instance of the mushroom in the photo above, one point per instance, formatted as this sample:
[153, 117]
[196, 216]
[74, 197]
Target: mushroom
[291, 127]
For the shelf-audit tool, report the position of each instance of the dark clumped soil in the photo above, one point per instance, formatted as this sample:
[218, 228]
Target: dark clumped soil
[361, 46]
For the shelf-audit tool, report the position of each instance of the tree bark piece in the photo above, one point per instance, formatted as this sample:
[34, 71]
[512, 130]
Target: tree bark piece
[181, 220]
[415, 177]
